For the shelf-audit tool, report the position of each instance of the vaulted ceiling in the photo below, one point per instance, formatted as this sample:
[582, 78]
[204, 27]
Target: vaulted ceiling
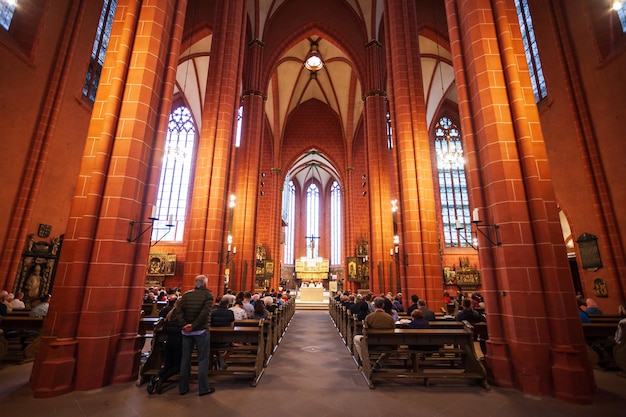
[341, 28]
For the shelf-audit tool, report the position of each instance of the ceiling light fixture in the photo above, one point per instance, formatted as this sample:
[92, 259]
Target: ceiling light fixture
[313, 61]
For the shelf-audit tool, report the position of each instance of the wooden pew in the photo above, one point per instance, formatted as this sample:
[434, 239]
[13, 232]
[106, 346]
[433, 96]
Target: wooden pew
[246, 348]
[149, 309]
[22, 336]
[245, 359]
[606, 319]
[597, 336]
[414, 363]
[267, 335]
[146, 324]
[19, 313]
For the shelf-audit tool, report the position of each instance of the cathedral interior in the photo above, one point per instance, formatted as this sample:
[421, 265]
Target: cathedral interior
[404, 146]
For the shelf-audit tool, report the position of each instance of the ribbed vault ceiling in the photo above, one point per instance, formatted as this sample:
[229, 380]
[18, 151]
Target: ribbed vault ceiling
[338, 84]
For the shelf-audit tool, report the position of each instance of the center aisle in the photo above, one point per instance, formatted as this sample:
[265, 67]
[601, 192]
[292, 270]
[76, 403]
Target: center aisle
[311, 374]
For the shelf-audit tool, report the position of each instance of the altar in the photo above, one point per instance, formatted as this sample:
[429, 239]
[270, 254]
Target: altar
[312, 294]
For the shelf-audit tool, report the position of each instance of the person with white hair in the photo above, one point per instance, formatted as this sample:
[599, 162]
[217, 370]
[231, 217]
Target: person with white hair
[194, 315]
[270, 305]
[17, 302]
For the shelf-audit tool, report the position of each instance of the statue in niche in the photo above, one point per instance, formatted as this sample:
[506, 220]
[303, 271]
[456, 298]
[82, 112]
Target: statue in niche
[33, 282]
[261, 254]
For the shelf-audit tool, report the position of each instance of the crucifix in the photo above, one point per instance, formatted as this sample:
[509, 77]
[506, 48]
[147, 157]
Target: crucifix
[312, 244]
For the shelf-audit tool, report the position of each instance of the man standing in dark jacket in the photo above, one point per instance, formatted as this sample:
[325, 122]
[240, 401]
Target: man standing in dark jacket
[194, 316]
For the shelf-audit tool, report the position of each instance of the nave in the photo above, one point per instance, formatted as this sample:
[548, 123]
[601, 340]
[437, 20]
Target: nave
[310, 374]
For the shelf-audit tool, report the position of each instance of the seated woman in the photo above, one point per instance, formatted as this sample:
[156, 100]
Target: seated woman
[419, 322]
[260, 312]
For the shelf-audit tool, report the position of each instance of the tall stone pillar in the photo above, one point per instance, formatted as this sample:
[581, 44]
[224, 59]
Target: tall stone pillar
[246, 172]
[206, 248]
[379, 174]
[540, 349]
[90, 335]
[418, 239]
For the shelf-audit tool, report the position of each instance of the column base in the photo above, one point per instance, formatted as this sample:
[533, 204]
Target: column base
[128, 359]
[572, 375]
[53, 371]
[498, 364]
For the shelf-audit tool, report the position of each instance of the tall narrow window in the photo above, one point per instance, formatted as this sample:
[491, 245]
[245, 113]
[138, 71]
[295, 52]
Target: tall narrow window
[173, 193]
[389, 131]
[531, 50]
[312, 220]
[7, 8]
[335, 224]
[452, 184]
[238, 130]
[290, 202]
[99, 49]
[620, 8]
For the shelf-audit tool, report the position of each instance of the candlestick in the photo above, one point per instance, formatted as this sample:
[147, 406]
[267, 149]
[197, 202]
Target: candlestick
[170, 220]
[155, 213]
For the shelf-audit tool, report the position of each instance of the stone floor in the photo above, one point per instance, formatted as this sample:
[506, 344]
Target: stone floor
[310, 374]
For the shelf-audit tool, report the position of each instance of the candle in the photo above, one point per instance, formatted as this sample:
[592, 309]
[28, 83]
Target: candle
[458, 224]
[391, 252]
[234, 250]
[155, 213]
[228, 248]
[397, 249]
[170, 220]
[475, 217]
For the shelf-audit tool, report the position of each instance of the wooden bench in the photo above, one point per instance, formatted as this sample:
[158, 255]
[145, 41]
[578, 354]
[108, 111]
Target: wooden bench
[20, 338]
[597, 336]
[146, 324]
[454, 355]
[19, 313]
[245, 347]
[246, 358]
[149, 309]
[267, 335]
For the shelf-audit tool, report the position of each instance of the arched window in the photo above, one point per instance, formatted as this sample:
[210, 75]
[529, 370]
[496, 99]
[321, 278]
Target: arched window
[7, 9]
[173, 193]
[335, 224]
[99, 49]
[532, 52]
[290, 203]
[452, 184]
[312, 220]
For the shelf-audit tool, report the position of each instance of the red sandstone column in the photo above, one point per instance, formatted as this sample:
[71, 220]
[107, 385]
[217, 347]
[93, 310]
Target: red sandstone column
[539, 350]
[246, 172]
[379, 175]
[418, 238]
[90, 336]
[207, 234]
